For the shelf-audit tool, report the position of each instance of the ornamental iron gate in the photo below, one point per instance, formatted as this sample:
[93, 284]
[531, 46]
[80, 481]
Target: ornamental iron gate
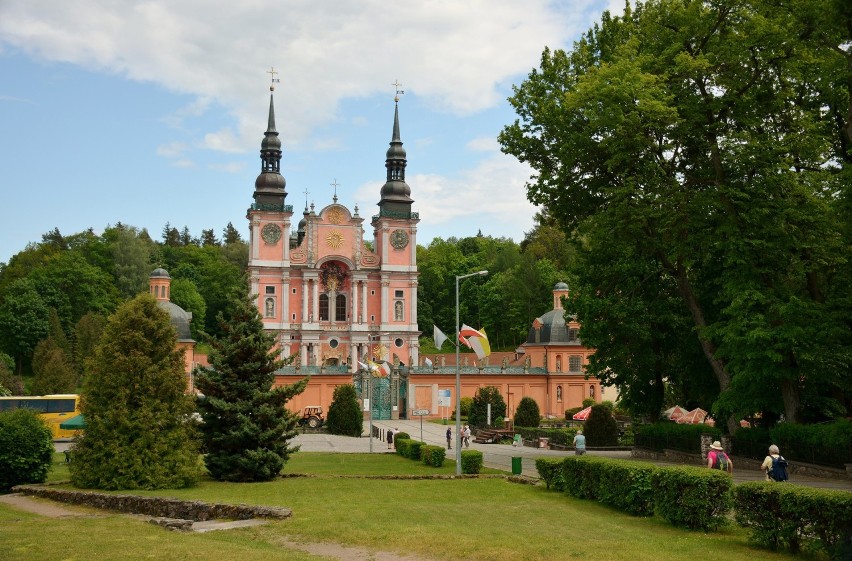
[384, 393]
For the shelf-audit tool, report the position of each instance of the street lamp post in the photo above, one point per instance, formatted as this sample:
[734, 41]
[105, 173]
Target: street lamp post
[458, 372]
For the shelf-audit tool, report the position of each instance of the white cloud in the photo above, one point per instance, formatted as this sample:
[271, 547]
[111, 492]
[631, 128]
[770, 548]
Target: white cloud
[229, 167]
[171, 150]
[183, 163]
[484, 144]
[455, 55]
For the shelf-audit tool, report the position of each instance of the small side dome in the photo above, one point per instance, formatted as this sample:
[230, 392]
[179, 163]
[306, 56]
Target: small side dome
[560, 286]
[160, 273]
[179, 318]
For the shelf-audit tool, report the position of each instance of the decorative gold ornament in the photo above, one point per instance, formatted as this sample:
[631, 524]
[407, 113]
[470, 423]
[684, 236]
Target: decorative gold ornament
[399, 239]
[334, 240]
[271, 233]
[335, 216]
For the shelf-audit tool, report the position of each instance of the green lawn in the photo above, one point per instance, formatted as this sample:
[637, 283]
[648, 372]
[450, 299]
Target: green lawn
[469, 519]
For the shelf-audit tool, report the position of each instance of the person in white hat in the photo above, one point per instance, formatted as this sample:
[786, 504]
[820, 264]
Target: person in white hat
[718, 459]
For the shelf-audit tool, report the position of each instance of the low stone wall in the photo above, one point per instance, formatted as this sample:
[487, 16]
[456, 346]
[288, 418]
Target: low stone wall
[164, 507]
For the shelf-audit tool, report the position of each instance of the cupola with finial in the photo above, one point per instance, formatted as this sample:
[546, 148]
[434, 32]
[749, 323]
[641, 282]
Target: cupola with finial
[269, 193]
[396, 194]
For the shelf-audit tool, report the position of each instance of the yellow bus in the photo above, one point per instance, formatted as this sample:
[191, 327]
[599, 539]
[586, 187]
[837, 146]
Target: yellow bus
[54, 409]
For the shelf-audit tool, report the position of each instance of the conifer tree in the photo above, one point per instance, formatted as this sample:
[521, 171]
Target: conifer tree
[344, 413]
[139, 433]
[246, 426]
[52, 369]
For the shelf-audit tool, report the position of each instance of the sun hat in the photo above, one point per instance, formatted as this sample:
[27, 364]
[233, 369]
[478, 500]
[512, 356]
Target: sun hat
[716, 445]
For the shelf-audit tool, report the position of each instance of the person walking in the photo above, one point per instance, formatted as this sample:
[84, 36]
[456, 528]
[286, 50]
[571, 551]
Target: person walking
[718, 459]
[466, 434]
[390, 438]
[449, 438]
[775, 465]
[579, 443]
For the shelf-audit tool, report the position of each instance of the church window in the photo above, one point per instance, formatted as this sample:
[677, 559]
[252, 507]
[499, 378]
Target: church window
[372, 293]
[294, 317]
[340, 308]
[333, 343]
[397, 310]
[269, 310]
[558, 393]
[323, 307]
[270, 290]
[572, 335]
[294, 291]
[537, 331]
[574, 363]
[398, 342]
[398, 294]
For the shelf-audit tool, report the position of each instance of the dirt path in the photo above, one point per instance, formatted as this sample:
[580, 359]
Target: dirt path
[38, 506]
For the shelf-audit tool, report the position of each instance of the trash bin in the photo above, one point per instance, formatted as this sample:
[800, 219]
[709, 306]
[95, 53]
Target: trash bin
[516, 465]
[517, 441]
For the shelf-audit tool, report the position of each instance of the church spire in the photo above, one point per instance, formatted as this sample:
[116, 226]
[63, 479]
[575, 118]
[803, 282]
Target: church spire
[269, 193]
[395, 192]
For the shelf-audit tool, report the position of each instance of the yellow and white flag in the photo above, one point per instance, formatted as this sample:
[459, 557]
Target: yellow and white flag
[476, 340]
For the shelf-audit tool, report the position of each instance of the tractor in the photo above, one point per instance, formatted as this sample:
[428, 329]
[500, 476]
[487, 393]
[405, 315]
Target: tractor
[312, 417]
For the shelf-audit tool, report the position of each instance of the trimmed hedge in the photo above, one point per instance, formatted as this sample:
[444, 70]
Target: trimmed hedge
[828, 444]
[625, 485]
[692, 497]
[408, 448]
[432, 455]
[551, 472]
[781, 516]
[564, 436]
[471, 461]
[686, 438]
[401, 435]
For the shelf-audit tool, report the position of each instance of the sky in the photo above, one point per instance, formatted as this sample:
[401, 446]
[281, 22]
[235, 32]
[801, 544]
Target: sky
[152, 112]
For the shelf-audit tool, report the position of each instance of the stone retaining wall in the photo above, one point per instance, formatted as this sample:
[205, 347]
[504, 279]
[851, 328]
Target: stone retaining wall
[165, 507]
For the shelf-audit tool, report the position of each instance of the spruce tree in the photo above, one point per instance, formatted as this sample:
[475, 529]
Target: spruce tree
[246, 426]
[601, 429]
[139, 433]
[344, 413]
[52, 369]
[479, 408]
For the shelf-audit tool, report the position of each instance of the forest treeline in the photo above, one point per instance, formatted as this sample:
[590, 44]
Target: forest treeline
[56, 294]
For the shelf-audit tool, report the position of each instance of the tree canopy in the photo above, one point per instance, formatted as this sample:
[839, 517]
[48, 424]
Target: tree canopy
[708, 144]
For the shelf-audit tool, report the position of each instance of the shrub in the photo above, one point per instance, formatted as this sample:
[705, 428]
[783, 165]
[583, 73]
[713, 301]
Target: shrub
[466, 403]
[344, 413]
[408, 448]
[667, 434]
[471, 461]
[400, 436]
[563, 436]
[600, 428]
[692, 497]
[625, 485]
[432, 455]
[551, 472]
[138, 430]
[527, 414]
[781, 516]
[479, 408]
[26, 448]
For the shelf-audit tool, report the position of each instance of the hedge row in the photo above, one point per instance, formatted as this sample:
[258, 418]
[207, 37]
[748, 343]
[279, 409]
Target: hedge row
[687, 438]
[564, 436]
[471, 460]
[685, 496]
[433, 455]
[828, 444]
[790, 517]
[408, 448]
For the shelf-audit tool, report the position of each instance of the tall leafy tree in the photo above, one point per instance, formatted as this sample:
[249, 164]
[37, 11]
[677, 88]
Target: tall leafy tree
[185, 294]
[131, 255]
[489, 395]
[139, 431]
[246, 425]
[87, 334]
[701, 127]
[23, 321]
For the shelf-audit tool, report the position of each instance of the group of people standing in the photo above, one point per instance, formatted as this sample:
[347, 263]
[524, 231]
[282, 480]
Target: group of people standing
[774, 464]
[465, 437]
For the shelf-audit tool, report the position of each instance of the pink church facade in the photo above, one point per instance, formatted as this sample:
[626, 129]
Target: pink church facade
[336, 288]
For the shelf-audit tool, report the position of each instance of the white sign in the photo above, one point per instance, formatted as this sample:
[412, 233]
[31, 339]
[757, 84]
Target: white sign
[420, 412]
[366, 404]
[444, 398]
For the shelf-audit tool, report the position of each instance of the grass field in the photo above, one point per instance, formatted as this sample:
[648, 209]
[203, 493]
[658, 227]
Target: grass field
[468, 519]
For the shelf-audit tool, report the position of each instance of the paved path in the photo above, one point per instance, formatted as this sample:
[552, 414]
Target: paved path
[499, 456]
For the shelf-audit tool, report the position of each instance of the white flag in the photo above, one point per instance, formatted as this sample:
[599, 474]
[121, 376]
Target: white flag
[427, 362]
[439, 337]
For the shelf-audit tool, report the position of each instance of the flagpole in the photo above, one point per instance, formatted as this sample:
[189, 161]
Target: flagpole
[458, 372]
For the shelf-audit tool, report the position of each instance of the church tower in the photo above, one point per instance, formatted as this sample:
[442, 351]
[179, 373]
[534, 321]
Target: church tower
[331, 299]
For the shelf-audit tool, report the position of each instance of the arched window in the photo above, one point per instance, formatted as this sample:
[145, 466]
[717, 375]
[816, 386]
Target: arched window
[269, 310]
[323, 307]
[397, 310]
[340, 308]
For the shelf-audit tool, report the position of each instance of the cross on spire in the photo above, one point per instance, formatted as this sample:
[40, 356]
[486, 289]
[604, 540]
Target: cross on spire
[335, 184]
[272, 72]
[399, 92]
[306, 192]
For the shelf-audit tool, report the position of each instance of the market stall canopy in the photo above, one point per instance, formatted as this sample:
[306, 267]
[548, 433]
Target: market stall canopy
[674, 413]
[582, 415]
[74, 423]
[694, 417]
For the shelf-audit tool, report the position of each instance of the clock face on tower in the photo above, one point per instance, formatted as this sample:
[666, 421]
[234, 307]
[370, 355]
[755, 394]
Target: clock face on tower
[271, 233]
[399, 239]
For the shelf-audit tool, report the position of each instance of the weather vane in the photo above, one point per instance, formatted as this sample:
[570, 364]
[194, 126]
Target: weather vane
[399, 92]
[335, 184]
[272, 72]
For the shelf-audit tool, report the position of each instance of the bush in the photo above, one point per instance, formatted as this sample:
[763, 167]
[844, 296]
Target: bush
[551, 472]
[471, 461]
[26, 448]
[344, 413]
[432, 455]
[466, 403]
[625, 485]
[693, 497]
[479, 408]
[828, 444]
[563, 437]
[408, 448]
[667, 434]
[781, 516]
[527, 414]
[600, 428]
[400, 436]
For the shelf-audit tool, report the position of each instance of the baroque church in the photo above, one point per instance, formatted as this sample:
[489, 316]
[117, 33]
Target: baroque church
[335, 295]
